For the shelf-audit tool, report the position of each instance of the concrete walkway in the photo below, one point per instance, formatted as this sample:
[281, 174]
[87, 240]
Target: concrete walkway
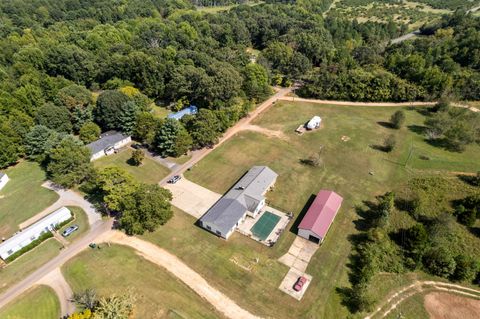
[67, 198]
[175, 266]
[57, 282]
[192, 198]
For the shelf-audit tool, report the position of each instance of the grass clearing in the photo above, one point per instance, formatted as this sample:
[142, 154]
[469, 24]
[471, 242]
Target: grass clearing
[23, 196]
[160, 112]
[40, 302]
[81, 220]
[353, 169]
[214, 258]
[28, 263]
[149, 172]
[117, 270]
[180, 160]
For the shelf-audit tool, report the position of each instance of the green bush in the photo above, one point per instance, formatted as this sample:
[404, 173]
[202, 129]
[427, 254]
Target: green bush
[30, 246]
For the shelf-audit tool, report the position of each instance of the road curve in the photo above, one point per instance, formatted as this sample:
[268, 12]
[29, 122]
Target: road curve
[179, 269]
[96, 230]
[200, 154]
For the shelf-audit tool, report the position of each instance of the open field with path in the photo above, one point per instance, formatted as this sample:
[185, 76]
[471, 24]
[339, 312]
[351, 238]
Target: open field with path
[149, 172]
[352, 168]
[118, 269]
[23, 196]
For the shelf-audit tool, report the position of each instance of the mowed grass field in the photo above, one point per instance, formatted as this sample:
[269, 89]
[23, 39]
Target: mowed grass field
[40, 302]
[28, 263]
[117, 270]
[352, 168]
[149, 172]
[23, 196]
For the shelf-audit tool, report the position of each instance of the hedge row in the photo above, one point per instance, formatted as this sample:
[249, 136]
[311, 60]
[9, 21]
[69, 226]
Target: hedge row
[30, 246]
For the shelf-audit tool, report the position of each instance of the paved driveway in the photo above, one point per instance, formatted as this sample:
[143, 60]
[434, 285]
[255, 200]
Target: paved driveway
[192, 198]
[299, 254]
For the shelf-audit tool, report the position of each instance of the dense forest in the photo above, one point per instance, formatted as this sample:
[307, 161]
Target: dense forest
[79, 67]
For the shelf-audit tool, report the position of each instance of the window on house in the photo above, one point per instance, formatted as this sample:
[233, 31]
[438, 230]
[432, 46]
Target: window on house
[209, 228]
[218, 233]
[10, 252]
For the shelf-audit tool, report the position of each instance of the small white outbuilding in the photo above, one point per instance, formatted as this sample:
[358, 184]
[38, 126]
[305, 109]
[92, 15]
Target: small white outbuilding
[3, 180]
[314, 123]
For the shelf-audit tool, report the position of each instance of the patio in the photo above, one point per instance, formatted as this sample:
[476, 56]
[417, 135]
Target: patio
[245, 228]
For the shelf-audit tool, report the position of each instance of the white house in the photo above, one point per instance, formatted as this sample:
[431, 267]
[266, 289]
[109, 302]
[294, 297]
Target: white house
[3, 179]
[245, 198]
[25, 237]
[314, 123]
[108, 143]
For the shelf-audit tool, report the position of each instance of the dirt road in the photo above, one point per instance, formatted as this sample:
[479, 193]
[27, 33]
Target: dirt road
[393, 104]
[200, 154]
[401, 294]
[175, 266]
[98, 229]
[64, 293]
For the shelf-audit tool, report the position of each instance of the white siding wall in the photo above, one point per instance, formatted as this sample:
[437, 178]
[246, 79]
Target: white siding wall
[97, 155]
[122, 143]
[306, 234]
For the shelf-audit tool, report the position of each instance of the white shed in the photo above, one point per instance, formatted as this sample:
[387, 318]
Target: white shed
[25, 237]
[3, 179]
[314, 123]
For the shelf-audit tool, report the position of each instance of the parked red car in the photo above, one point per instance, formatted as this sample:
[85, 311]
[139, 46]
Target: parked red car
[299, 284]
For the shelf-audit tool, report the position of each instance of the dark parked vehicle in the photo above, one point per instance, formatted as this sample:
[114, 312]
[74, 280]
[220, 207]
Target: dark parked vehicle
[299, 284]
[174, 179]
[67, 232]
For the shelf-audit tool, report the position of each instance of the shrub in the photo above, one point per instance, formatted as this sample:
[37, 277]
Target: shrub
[137, 157]
[466, 268]
[30, 246]
[439, 261]
[389, 143]
[397, 119]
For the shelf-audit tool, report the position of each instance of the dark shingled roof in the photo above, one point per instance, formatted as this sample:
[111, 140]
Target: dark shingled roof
[243, 196]
[106, 140]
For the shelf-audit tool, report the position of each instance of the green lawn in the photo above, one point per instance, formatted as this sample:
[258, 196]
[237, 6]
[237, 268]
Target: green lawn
[180, 160]
[117, 269]
[149, 172]
[23, 197]
[160, 111]
[40, 302]
[81, 220]
[28, 262]
[353, 169]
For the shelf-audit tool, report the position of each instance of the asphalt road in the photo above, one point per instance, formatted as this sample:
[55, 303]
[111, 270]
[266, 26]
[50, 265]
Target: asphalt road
[96, 230]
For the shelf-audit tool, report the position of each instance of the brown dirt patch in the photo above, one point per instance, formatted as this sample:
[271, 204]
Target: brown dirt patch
[265, 131]
[441, 305]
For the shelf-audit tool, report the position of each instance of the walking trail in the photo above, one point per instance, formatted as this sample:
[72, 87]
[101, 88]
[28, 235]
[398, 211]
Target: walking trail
[404, 293]
[175, 266]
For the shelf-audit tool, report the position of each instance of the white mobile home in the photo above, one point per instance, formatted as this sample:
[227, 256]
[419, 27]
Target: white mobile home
[28, 235]
[3, 180]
